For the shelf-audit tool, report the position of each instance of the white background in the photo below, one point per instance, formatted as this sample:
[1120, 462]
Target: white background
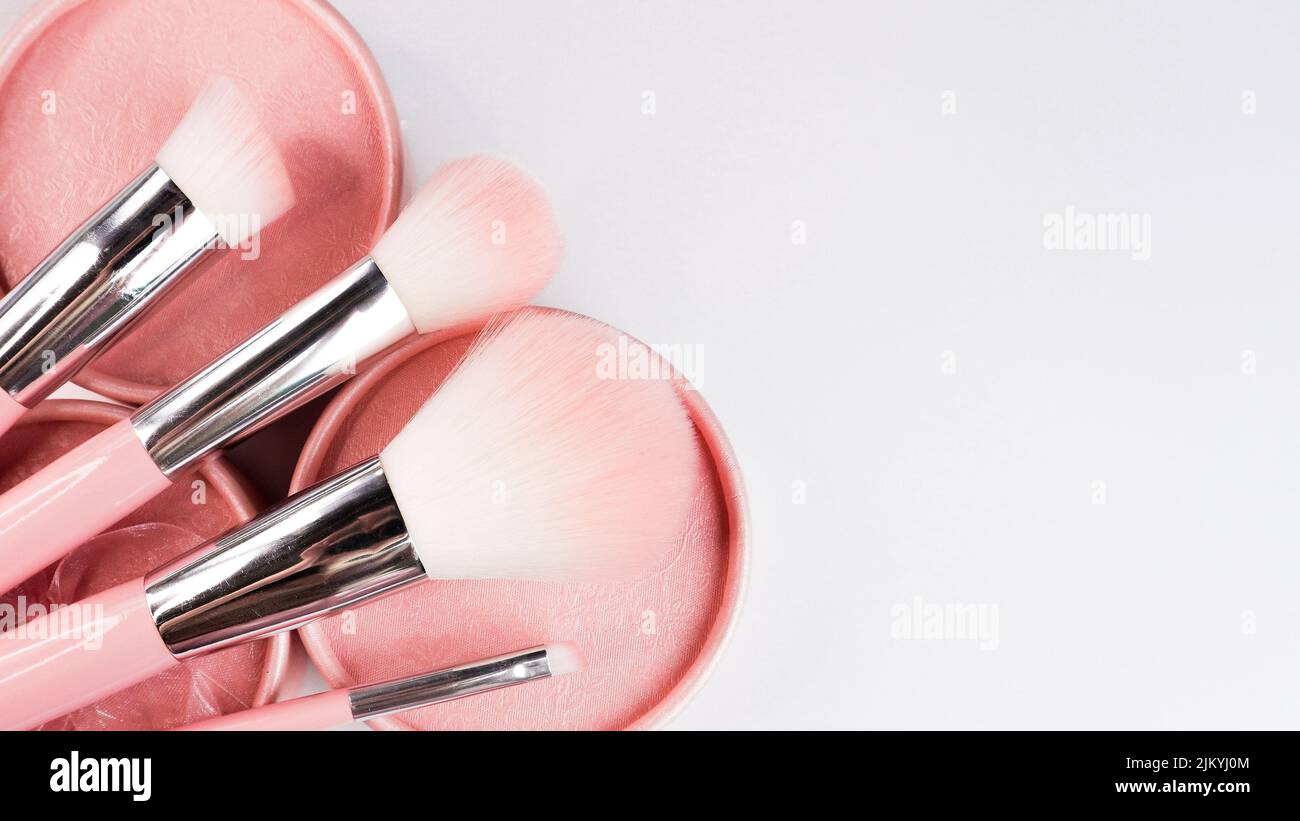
[921, 146]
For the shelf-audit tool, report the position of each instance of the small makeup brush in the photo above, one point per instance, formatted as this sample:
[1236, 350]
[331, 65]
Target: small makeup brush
[336, 708]
[527, 463]
[217, 180]
[477, 239]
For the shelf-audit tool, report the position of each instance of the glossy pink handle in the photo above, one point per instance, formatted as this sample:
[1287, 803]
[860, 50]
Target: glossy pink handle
[72, 499]
[10, 410]
[318, 712]
[78, 654]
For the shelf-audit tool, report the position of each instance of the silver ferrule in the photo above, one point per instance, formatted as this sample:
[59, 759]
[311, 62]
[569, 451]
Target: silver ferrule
[375, 700]
[97, 283]
[306, 351]
[333, 545]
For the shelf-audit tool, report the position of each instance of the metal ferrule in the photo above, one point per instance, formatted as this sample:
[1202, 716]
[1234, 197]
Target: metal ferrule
[306, 351]
[375, 700]
[333, 545]
[99, 281]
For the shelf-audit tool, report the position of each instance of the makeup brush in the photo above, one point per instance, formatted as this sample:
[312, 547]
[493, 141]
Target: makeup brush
[217, 180]
[335, 708]
[527, 463]
[477, 239]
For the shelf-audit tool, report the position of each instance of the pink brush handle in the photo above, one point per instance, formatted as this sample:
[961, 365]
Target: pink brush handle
[77, 655]
[73, 498]
[318, 712]
[10, 410]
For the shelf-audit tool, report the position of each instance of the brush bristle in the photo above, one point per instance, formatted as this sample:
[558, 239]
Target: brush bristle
[534, 462]
[478, 239]
[564, 658]
[228, 166]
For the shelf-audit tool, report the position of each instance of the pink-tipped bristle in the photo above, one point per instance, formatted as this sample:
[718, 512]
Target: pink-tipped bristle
[227, 164]
[533, 461]
[478, 238]
[565, 658]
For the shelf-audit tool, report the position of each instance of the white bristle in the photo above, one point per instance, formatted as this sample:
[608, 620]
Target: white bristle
[532, 461]
[228, 166]
[479, 238]
[564, 658]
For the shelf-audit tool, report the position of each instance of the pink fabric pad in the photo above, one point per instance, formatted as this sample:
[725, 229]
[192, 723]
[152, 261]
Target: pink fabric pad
[646, 643]
[89, 92]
